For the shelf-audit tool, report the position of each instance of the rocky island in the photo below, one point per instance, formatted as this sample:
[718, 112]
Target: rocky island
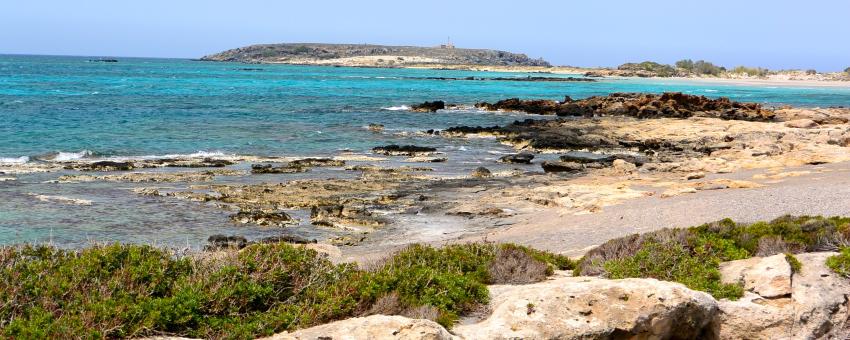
[373, 55]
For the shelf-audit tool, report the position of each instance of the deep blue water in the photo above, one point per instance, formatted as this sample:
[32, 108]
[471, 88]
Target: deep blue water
[139, 107]
[170, 106]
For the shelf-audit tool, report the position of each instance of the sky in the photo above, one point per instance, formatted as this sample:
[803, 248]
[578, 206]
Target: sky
[776, 34]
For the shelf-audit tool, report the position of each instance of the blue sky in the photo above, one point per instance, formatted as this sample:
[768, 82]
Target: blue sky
[777, 34]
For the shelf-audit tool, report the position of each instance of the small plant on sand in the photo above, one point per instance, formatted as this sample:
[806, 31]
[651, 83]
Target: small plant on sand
[840, 263]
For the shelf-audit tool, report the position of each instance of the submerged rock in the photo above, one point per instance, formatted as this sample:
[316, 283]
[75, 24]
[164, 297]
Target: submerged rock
[403, 150]
[481, 172]
[376, 127]
[263, 218]
[520, 158]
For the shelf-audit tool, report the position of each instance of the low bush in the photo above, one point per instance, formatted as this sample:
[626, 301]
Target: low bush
[122, 291]
[692, 255]
[840, 263]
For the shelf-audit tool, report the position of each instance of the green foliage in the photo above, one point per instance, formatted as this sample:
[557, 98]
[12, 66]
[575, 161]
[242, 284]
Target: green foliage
[660, 70]
[301, 49]
[121, 291]
[811, 72]
[840, 263]
[670, 261]
[686, 64]
[751, 71]
[691, 256]
[847, 70]
[796, 266]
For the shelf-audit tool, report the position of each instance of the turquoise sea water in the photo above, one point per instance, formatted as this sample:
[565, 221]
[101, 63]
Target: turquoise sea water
[165, 106]
[68, 107]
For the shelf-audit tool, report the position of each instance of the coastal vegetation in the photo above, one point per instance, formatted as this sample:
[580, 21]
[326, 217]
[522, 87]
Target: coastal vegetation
[692, 256]
[121, 291]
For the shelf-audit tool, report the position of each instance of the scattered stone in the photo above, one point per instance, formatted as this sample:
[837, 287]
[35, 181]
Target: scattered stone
[481, 172]
[520, 158]
[695, 175]
[403, 150]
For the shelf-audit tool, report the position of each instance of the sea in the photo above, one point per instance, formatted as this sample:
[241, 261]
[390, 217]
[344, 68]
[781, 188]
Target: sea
[60, 108]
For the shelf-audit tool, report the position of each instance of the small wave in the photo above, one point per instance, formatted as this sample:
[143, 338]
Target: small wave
[14, 160]
[397, 108]
[61, 199]
[709, 90]
[199, 154]
[70, 156]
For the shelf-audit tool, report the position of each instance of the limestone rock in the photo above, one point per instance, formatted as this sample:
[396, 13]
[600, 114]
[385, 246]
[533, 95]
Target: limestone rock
[766, 276]
[816, 309]
[594, 308]
[801, 124]
[375, 327]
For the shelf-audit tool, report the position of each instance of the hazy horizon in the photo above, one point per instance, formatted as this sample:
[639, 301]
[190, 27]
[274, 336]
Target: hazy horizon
[776, 35]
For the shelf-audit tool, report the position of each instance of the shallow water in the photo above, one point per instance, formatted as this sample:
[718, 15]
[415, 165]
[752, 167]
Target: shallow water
[66, 107]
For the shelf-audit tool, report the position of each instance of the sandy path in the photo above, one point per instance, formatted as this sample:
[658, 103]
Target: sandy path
[824, 191]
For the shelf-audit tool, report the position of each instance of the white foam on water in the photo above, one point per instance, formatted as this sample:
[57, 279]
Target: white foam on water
[71, 156]
[14, 160]
[397, 108]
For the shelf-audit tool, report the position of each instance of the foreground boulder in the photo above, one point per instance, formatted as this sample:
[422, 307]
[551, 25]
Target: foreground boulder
[372, 327]
[816, 308]
[594, 308]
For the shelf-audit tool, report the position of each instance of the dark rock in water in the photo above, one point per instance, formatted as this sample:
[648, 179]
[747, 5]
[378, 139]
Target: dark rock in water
[263, 218]
[222, 242]
[669, 105]
[481, 172]
[315, 162]
[520, 158]
[205, 163]
[405, 150]
[465, 130]
[287, 239]
[106, 166]
[587, 157]
[562, 167]
[540, 107]
[269, 169]
[376, 127]
[429, 106]
[103, 60]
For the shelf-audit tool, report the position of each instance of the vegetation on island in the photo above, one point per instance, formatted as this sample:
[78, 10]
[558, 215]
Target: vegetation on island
[123, 291]
[688, 67]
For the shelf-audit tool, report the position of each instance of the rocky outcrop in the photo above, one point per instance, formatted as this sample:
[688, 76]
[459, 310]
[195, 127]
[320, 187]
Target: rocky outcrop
[377, 327]
[520, 158]
[481, 172]
[403, 150]
[429, 106]
[263, 218]
[593, 308]
[671, 105]
[815, 306]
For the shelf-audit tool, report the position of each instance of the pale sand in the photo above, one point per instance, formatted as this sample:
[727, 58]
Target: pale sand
[815, 190]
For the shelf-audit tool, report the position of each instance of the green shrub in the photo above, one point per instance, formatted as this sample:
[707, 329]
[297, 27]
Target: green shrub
[122, 291]
[847, 70]
[840, 263]
[751, 71]
[673, 254]
[670, 261]
[796, 265]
